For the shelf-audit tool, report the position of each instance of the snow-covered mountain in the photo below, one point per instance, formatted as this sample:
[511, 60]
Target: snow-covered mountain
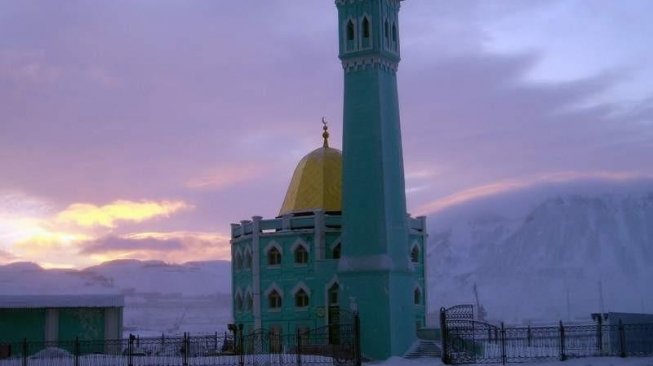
[568, 255]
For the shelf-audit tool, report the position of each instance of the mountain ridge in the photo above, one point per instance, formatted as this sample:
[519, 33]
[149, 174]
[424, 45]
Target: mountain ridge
[550, 261]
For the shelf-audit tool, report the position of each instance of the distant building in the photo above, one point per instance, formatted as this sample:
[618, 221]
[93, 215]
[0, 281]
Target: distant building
[60, 318]
[342, 240]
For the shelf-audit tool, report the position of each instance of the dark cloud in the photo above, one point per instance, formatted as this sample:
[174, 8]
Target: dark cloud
[112, 244]
[170, 247]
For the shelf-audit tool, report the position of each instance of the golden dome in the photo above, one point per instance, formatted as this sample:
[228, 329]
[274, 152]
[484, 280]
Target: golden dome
[316, 183]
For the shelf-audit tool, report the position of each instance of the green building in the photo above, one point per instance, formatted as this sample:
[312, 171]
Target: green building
[60, 318]
[342, 240]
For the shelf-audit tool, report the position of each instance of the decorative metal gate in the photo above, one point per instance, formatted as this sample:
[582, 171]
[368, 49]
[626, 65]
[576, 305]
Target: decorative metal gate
[465, 340]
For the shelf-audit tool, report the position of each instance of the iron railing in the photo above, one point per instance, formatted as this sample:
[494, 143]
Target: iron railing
[314, 346]
[469, 341]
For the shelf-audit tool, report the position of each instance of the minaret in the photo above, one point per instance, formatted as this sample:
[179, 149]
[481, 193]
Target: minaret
[374, 270]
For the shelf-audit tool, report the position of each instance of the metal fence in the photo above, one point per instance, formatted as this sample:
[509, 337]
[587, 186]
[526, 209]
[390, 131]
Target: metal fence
[309, 347]
[469, 341]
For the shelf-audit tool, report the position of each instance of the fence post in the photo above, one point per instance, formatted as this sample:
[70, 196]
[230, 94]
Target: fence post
[25, 350]
[530, 335]
[357, 339]
[444, 335]
[503, 344]
[241, 345]
[299, 347]
[130, 350]
[599, 334]
[622, 339]
[186, 343]
[562, 342]
[77, 351]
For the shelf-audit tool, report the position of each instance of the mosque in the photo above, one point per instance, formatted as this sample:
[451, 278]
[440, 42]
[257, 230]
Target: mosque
[342, 241]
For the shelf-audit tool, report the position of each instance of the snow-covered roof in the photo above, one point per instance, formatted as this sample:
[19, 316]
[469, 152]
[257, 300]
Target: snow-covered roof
[61, 301]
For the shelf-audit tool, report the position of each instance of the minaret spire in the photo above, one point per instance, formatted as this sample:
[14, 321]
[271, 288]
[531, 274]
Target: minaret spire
[374, 269]
[325, 134]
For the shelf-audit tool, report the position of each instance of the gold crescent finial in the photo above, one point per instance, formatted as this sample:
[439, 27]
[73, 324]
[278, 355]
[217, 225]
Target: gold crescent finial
[325, 134]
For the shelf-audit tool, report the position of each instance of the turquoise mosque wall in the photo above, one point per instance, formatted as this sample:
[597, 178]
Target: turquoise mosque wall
[320, 273]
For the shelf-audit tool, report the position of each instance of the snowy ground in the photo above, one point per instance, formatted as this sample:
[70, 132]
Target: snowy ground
[590, 361]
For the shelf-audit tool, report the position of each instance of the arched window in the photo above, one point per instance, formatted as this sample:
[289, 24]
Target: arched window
[417, 296]
[414, 254]
[350, 30]
[301, 298]
[333, 294]
[366, 28]
[336, 251]
[239, 302]
[394, 36]
[301, 255]
[248, 259]
[249, 302]
[274, 300]
[238, 261]
[386, 33]
[274, 257]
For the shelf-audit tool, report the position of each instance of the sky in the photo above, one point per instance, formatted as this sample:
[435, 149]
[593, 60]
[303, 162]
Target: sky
[142, 129]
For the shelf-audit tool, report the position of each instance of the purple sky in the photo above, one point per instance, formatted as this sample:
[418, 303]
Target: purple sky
[141, 129]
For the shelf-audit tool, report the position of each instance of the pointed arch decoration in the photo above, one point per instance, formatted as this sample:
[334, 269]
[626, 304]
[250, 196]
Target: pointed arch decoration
[273, 253]
[274, 295]
[418, 295]
[351, 31]
[415, 253]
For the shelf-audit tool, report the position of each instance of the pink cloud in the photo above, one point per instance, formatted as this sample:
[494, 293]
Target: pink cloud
[505, 186]
[227, 176]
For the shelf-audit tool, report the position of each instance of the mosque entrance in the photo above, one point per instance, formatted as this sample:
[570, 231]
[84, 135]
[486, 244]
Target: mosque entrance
[334, 315]
[334, 324]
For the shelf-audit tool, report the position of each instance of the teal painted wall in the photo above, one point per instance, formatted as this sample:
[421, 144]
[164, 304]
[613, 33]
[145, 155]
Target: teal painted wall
[17, 324]
[374, 215]
[85, 323]
[30, 324]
